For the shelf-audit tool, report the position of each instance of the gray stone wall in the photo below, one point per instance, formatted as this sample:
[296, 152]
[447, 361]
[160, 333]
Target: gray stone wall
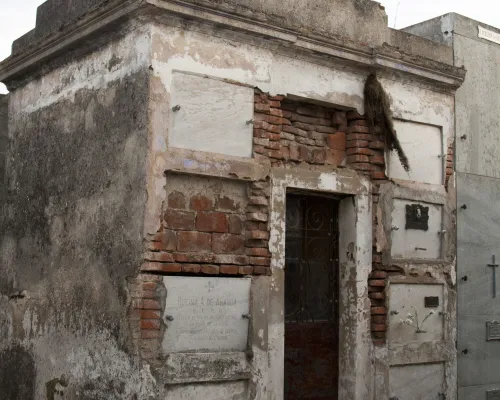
[71, 235]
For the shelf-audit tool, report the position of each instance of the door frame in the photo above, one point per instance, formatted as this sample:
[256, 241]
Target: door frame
[356, 373]
[298, 322]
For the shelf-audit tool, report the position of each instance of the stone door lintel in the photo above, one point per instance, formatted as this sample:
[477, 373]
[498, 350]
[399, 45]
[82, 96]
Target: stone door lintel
[355, 258]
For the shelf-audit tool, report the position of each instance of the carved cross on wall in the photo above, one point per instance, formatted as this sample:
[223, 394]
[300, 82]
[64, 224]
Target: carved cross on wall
[210, 286]
[494, 265]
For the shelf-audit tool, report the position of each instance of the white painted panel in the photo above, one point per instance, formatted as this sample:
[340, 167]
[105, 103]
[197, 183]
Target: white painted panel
[213, 115]
[423, 145]
[488, 35]
[206, 314]
[417, 382]
[407, 301]
[415, 243]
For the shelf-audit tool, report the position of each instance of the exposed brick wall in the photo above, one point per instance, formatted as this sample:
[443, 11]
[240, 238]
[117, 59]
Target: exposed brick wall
[291, 132]
[212, 233]
[209, 226]
[365, 149]
[366, 154]
[145, 315]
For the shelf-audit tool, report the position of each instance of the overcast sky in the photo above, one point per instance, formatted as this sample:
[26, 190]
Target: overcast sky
[18, 16]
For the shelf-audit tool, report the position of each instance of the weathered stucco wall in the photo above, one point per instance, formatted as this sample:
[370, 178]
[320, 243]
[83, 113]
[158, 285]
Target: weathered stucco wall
[50, 16]
[341, 18]
[413, 44]
[71, 228]
[274, 71]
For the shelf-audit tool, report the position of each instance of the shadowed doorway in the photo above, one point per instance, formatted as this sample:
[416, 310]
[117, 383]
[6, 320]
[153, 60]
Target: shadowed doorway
[311, 298]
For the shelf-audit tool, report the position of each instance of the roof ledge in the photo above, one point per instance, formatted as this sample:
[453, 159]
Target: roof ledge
[337, 48]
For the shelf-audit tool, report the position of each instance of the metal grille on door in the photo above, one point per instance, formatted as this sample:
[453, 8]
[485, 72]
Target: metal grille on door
[311, 298]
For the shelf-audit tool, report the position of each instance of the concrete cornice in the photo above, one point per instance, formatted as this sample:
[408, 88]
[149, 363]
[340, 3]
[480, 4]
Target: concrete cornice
[384, 59]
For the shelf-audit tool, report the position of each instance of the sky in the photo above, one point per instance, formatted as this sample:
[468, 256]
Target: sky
[18, 16]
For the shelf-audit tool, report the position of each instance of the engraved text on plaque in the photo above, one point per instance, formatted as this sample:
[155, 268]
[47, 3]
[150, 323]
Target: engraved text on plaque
[492, 330]
[204, 313]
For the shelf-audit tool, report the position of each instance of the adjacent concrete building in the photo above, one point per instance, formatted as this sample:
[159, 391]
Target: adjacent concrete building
[476, 46]
[197, 208]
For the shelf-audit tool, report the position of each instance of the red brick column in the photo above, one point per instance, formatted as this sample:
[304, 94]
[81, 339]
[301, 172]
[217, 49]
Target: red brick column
[449, 162]
[257, 229]
[145, 315]
[366, 154]
[365, 149]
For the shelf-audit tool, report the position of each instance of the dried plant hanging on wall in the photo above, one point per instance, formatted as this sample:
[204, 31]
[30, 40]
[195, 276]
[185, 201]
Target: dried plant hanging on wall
[378, 113]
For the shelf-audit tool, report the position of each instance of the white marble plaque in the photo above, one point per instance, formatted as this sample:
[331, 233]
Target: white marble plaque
[409, 318]
[408, 242]
[489, 35]
[211, 115]
[206, 314]
[417, 382]
[423, 145]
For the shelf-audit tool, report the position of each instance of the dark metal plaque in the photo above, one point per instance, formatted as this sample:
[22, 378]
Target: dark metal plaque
[493, 394]
[417, 217]
[493, 331]
[431, 301]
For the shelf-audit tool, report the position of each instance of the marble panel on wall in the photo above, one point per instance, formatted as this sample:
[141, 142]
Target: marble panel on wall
[415, 302]
[416, 230]
[423, 145]
[417, 382]
[211, 115]
[206, 313]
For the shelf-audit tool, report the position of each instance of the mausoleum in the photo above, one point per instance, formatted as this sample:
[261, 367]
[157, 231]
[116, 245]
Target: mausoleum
[197, 205]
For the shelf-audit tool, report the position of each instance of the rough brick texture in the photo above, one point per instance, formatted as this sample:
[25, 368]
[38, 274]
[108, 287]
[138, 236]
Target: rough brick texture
[449, 162]
[289, 133]
[145, 315]
[212, 233]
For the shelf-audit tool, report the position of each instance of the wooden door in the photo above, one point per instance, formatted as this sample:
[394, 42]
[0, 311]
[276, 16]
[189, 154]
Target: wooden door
[311, 298]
